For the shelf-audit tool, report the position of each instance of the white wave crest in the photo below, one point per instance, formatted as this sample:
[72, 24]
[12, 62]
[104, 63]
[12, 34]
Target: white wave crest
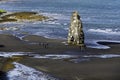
[55, 56]
[107, 31]
[56, 16]
[10, 54]
[22, 72]
[14, 28]
[102, 56]
[30, 54]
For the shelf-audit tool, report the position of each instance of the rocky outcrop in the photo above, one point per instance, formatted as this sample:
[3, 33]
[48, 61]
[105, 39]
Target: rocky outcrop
[23, 16]
[76, 34]
[2, 11]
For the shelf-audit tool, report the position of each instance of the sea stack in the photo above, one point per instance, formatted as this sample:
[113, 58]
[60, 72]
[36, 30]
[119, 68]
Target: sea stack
[76, 34]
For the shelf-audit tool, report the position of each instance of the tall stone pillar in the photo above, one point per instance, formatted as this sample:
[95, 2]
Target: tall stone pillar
[76, 34]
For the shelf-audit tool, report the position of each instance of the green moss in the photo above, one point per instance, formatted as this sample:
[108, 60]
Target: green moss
[2, 11]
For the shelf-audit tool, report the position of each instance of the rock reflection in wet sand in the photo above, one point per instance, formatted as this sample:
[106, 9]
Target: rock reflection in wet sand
[3, 75]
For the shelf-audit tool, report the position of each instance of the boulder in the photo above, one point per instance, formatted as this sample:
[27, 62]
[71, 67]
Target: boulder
[76, 34]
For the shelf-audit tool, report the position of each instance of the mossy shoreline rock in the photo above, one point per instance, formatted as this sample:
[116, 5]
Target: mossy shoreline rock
[2, 11]
[23, 16]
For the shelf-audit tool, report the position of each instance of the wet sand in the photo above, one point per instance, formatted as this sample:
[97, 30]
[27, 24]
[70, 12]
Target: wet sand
[95, 69]
[32, 43]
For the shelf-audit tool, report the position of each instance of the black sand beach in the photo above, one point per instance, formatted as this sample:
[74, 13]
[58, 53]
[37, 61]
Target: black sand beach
[43, 45]
[95, 69]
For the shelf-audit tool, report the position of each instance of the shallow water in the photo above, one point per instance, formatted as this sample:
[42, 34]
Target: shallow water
[100, 18]
[81, 57]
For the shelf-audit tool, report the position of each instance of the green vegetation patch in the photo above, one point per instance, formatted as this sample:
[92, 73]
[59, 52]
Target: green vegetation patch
[2, 11]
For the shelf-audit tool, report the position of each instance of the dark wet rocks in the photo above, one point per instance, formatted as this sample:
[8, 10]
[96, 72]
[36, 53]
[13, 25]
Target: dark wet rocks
[2, 45]
[76, 34]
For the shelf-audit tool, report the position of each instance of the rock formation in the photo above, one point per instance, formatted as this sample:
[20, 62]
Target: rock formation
[76, 34]
[23, 16]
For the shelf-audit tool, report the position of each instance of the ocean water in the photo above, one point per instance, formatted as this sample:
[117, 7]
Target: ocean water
[101, 19]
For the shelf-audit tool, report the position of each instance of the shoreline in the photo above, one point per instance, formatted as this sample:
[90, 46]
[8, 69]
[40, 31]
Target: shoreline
[104, 68]
[33, 43]
[94, 69]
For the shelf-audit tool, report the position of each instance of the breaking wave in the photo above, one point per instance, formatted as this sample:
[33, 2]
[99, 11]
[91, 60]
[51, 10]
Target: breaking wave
[107, 31]
[10, 54]
[102, 56]
[57, 16]
[72, 58]
[22, 72]
[55, 56]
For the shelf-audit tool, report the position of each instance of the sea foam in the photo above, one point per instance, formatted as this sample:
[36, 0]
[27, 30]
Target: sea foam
[107, 31]
[11, 54]
[102, 56]
[54, 56]
[22, 72]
